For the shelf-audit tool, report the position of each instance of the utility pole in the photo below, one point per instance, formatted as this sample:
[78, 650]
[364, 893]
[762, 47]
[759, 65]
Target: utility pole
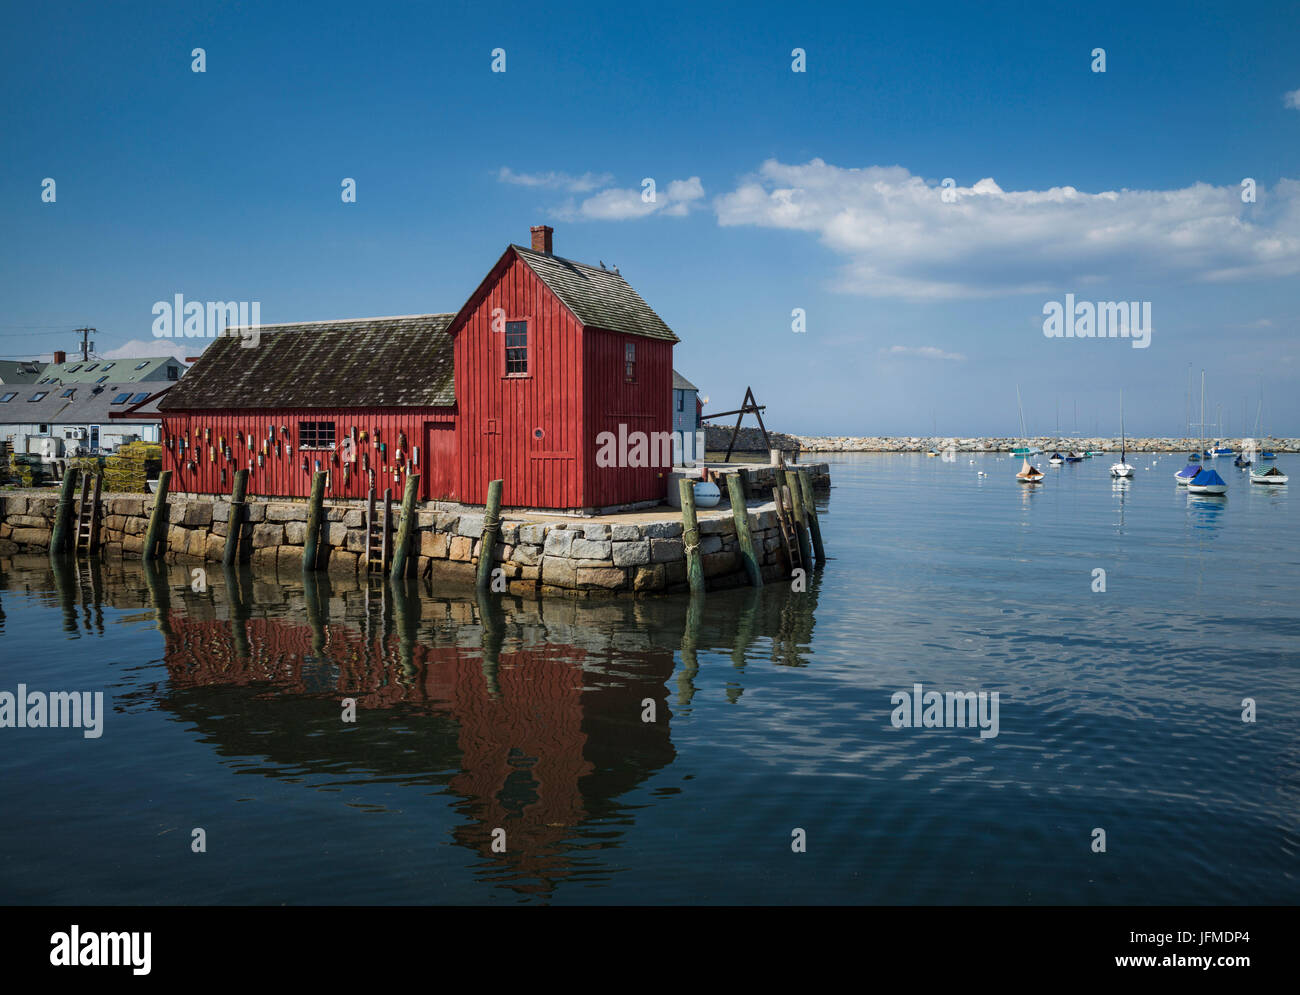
[86, 344]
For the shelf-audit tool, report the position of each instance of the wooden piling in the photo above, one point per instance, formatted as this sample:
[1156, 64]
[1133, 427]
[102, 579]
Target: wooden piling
[691, 536]
[235, 523]
[800, 519]
[491, 530]
[405, 526]
[315, 514]
[814, 523]
[736, 491]
[158, 519]
[62, 515]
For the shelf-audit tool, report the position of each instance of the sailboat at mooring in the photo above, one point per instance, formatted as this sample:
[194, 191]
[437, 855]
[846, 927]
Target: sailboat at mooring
[1122, 468]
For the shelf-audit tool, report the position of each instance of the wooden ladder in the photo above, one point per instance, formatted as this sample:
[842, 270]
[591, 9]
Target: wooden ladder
[87, 537]
[379, 533]
[784, 510]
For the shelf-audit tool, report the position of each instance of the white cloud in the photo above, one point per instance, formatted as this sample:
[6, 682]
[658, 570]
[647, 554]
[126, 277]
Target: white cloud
[898, 238]
[676, 199]
[556, 181]
[152, 348]
[924, 352]
[1292, 99]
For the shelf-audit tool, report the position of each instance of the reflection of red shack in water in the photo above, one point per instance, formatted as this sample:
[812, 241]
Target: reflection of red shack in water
[541, 750]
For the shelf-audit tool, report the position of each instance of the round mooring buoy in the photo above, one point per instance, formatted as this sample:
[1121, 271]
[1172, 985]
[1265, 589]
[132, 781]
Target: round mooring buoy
[707, 494]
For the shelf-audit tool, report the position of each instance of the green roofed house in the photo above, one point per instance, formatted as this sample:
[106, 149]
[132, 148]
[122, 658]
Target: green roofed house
[20, 371]
[139, 369]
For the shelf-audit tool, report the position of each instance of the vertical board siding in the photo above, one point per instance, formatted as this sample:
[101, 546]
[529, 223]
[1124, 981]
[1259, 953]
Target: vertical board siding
[282, 474]
[499, 415]
[645, 406]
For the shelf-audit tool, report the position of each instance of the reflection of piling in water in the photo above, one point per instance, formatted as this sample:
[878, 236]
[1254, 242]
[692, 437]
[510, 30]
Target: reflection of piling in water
[160, 593]
[745, 624]
[690, 640]
[315, 595]
[405, 598]
[492, 618]
[65, 586]
[239, 589]
[92, 593]
[795, 622]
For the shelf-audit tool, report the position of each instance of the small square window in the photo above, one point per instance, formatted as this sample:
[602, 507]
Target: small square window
[69, 392]
[140, 398]
[109, 366]
[681, 400]
[74, 369]
[102, 379]
[141, 366]
[122, 398]
[91, 367]
[629, 362]
[173, 373]
[316, 435]
[8, 397]
[37, 396]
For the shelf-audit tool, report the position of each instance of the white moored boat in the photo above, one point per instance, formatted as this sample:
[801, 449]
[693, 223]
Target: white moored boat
[1270, 476]
[1029, 474]
[1122, 468]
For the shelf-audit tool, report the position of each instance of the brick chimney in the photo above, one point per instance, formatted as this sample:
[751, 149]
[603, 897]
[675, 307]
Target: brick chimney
[60, 357]
[542, 238]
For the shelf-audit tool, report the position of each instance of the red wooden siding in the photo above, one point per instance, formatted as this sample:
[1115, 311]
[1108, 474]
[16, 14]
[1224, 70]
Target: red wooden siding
[496, 435]
[281, 473]
[644, 406]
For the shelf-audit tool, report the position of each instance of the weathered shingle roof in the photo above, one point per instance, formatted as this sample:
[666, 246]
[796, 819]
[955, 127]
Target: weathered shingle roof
[368, 362]
[599, 298]
[681, 383]
[89, 403]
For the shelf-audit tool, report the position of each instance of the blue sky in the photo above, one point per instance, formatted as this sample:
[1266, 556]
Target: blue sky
[775, 190]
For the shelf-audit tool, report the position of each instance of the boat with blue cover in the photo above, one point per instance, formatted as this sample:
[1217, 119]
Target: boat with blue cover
[1207, 482]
